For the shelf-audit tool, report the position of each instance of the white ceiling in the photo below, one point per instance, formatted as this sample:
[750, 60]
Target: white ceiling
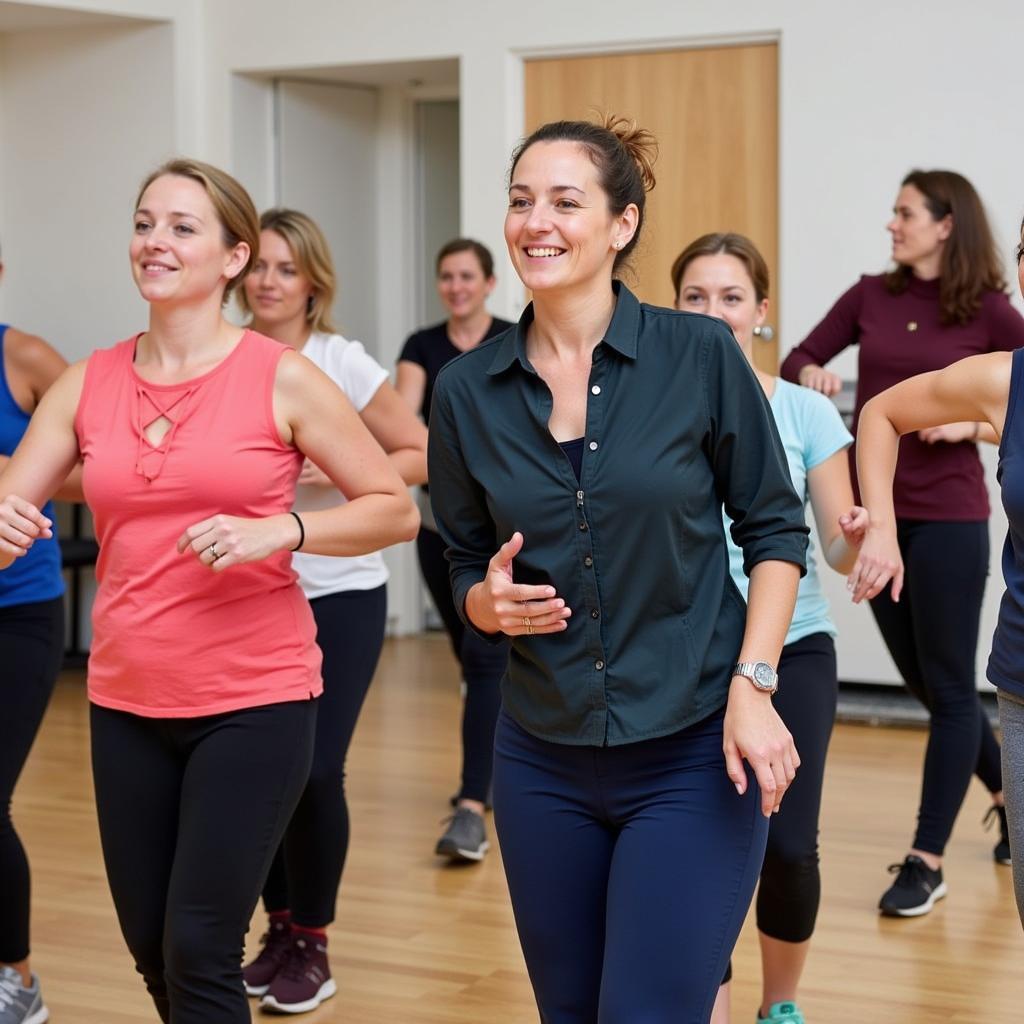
[422, 73]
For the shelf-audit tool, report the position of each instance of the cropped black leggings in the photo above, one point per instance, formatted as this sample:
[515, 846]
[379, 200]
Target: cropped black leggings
[31, 650]
[191, 811]
[483, 665]
[932, 635]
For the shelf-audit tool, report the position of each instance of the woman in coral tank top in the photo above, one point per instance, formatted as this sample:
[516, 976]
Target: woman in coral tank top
[204, 667]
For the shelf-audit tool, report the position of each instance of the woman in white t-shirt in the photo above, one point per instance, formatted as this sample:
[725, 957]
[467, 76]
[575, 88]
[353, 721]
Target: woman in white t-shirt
[725, 276]
[289, 293]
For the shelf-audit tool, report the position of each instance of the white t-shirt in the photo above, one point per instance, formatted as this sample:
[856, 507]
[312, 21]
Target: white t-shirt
[359, 375]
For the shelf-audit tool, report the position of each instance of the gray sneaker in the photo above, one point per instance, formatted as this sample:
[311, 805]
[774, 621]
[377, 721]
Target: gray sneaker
[20, 1005]
[465, 838]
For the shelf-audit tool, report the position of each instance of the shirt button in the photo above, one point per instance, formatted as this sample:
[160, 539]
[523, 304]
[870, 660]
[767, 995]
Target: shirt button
[583, 527]
[593, 446]
[588, 561]
[599, 664]
[596, 389]
[595, 614]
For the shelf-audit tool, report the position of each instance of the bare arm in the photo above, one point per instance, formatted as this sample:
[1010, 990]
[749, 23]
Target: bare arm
[975, 389]
[42, 461]
[411, 384]
[314, 415]
[831, 497]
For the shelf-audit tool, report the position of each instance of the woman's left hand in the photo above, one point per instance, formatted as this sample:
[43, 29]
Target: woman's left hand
[754, 730]
[950, 433]
[223, 541]
[854, 525]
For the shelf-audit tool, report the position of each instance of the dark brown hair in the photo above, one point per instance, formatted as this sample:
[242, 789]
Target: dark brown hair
[239, 221]
[623, 154]
[478, 249]
[732, 244]
[970, 261]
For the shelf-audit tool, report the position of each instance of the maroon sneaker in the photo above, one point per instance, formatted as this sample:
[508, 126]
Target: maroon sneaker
[304, 980]
[276, 942]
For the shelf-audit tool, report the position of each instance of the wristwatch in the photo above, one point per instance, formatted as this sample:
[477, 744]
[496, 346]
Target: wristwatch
[760, 673]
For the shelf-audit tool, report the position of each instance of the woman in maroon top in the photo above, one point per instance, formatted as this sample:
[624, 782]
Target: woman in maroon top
[944, 300]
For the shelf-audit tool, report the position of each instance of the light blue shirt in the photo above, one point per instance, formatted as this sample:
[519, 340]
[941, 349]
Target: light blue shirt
[811, 431]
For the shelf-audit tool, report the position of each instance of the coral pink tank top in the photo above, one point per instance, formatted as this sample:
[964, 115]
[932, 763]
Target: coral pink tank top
[171, 639]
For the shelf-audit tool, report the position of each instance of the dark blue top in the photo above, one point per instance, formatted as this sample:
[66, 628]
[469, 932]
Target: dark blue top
[1006, 662]
[36, 576]
[676, 424]
[574, 453]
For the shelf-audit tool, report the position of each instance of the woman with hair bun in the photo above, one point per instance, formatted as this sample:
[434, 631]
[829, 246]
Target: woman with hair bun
[578, 466]
[944, 300]
[204, 670]
[465, 278]
[289, 293]
[724, 275]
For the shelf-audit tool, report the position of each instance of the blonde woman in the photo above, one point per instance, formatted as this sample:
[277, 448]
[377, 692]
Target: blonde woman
[205, 673]
[289, 294]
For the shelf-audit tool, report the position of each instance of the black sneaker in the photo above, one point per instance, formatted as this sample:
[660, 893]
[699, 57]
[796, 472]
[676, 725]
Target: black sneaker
[915, 890]
[465, 838]
[1001, 852]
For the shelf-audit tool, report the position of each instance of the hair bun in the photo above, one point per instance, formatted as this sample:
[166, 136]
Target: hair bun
[641, 145]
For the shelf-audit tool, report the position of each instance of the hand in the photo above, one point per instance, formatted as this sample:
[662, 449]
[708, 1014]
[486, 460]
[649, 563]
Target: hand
[817, 378]
[879, 562]
[223, 541]
[497, 604]
[314, 476]
[951, 433]
[21, 525]
[854, 525]
[753, 730]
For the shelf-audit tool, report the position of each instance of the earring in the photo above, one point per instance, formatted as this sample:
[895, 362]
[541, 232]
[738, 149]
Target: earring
[618, 245]
[764, 331]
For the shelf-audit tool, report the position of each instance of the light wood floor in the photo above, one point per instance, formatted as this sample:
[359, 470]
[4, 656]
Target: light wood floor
[418, 943]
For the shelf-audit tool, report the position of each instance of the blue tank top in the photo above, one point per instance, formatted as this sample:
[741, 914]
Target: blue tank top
[36, 576]
[1006, 662]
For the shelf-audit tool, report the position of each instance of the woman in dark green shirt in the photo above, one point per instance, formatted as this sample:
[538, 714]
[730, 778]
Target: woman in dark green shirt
[592, 447]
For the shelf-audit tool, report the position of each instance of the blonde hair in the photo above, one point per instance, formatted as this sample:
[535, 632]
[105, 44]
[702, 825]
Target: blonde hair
[312, 257]
[235, 210]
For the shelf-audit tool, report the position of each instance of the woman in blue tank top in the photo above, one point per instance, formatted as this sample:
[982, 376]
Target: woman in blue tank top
[31, 648]
[986, 389]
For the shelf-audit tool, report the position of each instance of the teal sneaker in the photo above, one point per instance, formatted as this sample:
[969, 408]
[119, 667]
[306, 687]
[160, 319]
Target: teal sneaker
[782, 1013]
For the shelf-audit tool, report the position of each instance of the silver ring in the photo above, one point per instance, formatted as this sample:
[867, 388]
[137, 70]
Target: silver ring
[213, 548]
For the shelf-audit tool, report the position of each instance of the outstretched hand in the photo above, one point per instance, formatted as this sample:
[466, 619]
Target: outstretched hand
[499, 604]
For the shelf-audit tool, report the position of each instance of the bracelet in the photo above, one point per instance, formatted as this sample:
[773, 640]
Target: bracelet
[302, 531]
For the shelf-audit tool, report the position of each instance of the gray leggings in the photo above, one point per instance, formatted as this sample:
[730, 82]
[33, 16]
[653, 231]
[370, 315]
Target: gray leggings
[1011, 718]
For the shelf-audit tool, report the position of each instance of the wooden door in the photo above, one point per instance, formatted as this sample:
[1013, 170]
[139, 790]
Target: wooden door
[715, 115]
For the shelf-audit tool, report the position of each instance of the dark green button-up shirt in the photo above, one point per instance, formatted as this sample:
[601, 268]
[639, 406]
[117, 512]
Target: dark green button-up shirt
[677, 424]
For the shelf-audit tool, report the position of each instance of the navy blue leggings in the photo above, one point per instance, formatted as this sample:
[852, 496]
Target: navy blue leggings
[482, 664]
[932, 635]
[630, 868]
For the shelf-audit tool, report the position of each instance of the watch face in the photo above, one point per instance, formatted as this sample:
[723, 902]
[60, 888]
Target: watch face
[764, 675]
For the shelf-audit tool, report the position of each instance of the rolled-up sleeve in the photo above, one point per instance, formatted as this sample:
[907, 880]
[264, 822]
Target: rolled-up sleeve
[748, 460]
[459, 505]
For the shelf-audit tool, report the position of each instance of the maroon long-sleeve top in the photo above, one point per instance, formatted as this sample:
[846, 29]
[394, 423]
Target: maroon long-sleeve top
[900, 336]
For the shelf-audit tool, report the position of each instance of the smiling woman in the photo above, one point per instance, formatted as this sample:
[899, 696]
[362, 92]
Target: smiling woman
[204, 671]
[575, 466]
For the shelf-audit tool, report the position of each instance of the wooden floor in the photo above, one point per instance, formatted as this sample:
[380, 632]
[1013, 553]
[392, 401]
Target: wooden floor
[418, 943]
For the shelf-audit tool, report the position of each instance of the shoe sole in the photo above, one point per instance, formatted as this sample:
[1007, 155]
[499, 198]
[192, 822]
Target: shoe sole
[1003, 860]
[270, 1005]
[455, 853]
[256, 990]
[918, 911]
[41, 1016]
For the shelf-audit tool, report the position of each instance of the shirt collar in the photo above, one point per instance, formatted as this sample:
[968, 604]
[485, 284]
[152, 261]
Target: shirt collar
[622, 334]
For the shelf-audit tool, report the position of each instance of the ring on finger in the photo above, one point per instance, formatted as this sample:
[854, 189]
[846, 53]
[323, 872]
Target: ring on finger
[213, 551]
[528, 624]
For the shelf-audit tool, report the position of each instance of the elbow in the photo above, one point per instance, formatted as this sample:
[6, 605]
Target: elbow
[407, 521]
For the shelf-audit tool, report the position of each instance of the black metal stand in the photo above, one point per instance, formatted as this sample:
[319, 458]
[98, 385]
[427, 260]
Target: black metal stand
[77, 553]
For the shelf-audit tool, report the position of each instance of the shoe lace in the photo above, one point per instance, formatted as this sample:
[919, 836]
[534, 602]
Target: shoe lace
[909, 873]
[296, 960]
[994, 815]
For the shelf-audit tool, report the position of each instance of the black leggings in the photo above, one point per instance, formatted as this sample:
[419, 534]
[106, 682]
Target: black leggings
[307, 867]
[483, 666]
[790, 883]
[31, 650]
[932, 635]
[191, 811]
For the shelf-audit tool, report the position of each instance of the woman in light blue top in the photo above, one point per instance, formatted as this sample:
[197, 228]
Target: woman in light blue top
[725, 276]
